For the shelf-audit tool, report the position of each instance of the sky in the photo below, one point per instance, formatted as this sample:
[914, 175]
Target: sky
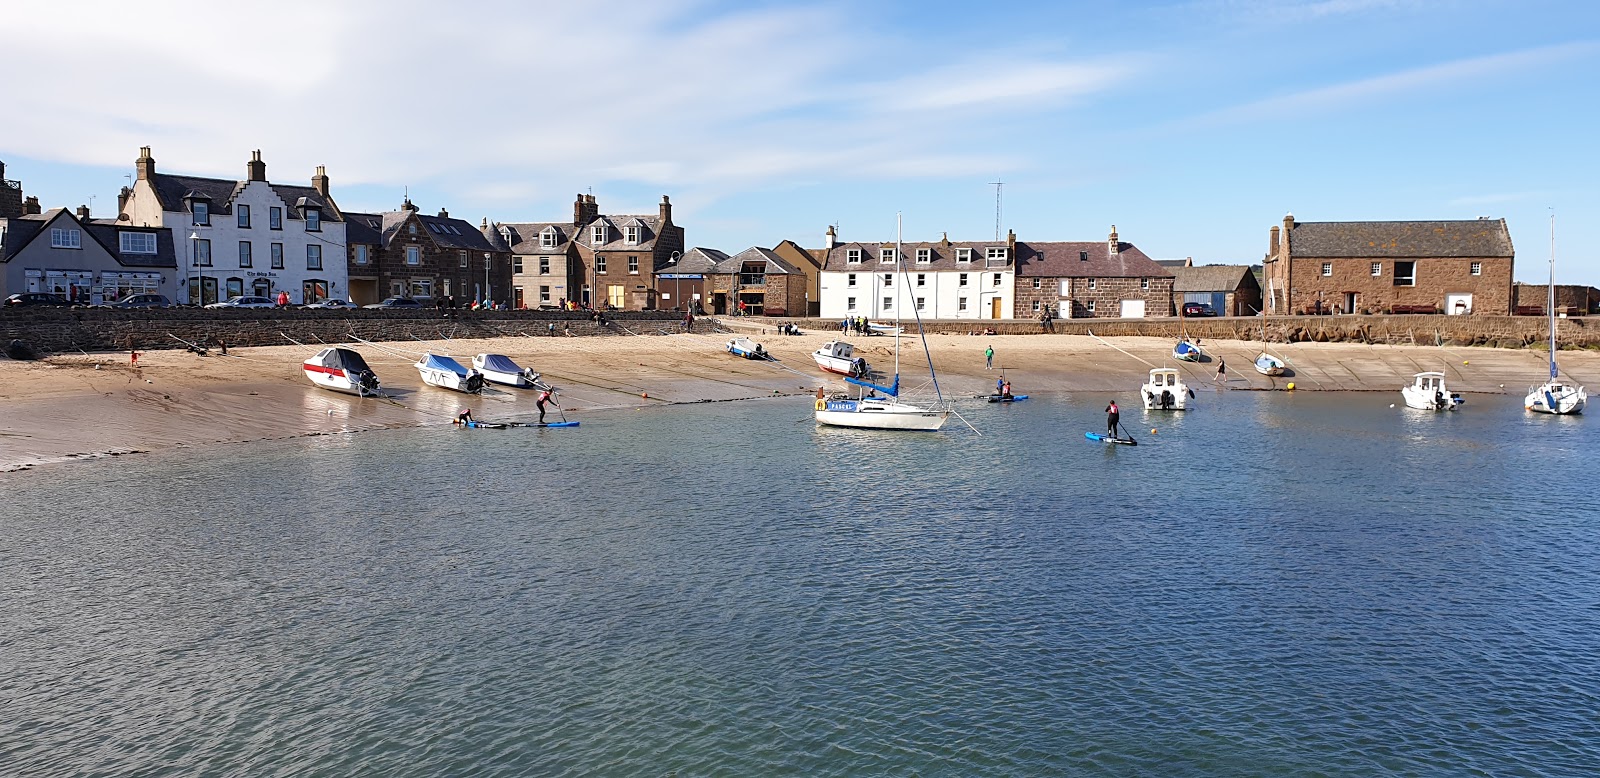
[1192, 125]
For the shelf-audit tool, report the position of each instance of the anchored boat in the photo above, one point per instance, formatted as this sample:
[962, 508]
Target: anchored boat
[342, 370]
[747, 348]
[1165, 391]
[499, 369]
[1427, 392]
[1555, 396]
[446, 373]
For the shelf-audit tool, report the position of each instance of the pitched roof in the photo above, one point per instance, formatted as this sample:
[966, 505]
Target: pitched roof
[19, 232]
[363, 228]
[174, 191]
[1466, 238]
[525, 236]
[941, 256]
[774, 264]
[1208, 278]
[615, 237]
[446, 232]
[1085, 259]
[697, 260]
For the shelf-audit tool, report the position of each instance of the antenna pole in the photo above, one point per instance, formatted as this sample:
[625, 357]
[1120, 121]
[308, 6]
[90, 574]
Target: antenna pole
[998, 184]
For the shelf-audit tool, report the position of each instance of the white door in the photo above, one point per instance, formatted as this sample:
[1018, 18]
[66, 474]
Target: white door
[1133, 309]
[1455, 304]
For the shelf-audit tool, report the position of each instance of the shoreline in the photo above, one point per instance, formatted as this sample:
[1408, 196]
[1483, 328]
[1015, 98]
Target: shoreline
[70, 408]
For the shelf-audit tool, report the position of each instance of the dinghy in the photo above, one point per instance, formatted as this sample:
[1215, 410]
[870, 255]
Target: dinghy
[446, 373]
[747, 348]
[342, 370]
[499, 369]
[1267, 364]
[1186, 351]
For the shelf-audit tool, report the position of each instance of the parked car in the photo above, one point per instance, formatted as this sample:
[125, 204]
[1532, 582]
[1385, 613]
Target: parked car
[245, 301]
[332, 304]
[143, 301]
[36, 298]
[1198, 309]
[396, 302]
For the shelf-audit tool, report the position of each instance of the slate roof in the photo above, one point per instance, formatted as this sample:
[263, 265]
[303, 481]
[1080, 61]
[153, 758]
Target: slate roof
[525, 236]
[775, 265]
[1209, 278]
[447, 232]
[942, 256]
[363, 228]
[21, 231]
[1418, 239]
[173, 192]
[697, 260]
[1065, 260]
[615, 237]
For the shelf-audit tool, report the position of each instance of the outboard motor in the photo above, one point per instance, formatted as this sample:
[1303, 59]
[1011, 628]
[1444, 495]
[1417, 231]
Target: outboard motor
[367, 383]
[1438, 399]
[1166, 398]
[474, 382]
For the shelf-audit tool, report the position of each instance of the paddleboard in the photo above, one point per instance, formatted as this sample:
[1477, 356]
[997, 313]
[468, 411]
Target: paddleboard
[485, 425]
[544, 424]
[995, 398]
[1109, 439]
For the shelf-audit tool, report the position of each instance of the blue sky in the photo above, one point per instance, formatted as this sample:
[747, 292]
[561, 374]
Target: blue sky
[1193, 126]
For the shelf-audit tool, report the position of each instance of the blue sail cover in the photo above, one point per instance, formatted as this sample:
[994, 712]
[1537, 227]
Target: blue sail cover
[436, 362]
[500, 363]
[892, 391]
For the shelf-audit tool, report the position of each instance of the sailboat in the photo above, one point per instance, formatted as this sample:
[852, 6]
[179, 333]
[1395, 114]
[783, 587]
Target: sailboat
[1554, 396]
[1267, 364]
[870, 410]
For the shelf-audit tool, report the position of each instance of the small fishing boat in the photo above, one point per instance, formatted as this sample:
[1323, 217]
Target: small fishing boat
[1267, 364]
[446, 373]
[1186, 351]
[837, 356]
[1427, 392]
[499, 369]
[1165, 391]
[879, 328]
[747, 348]
[1554, 396]
[342, 370]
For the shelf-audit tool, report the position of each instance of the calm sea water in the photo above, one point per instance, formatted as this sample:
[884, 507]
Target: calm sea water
[1271, 584]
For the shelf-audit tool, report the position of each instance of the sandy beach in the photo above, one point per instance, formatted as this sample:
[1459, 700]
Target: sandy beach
[69, 408]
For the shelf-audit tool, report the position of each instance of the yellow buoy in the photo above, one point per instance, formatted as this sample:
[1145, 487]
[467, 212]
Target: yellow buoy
[1467, 362]
[1152, 430]
[1291, 386]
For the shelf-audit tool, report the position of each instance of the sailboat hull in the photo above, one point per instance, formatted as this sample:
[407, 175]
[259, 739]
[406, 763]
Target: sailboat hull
[1557, 399]
[879, 415]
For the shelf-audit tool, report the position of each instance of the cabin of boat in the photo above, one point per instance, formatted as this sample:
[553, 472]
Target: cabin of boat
[1427, 392]
[446, 373]
[837, 356]
[1165, 391]
[747, 348]
[342, 370]
[501, 370]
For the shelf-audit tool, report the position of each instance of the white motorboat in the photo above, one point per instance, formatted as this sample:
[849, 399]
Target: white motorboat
[837, 356]
[1165, 391]
[446, 373]
[747, 348]
[1554, 396]
[498, 368]
[342, 370]
[1427, 392]
[1267, 364]
[870, 410]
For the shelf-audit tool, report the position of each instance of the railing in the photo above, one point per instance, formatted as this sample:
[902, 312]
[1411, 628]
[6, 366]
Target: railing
[9, 184]
[751, 279]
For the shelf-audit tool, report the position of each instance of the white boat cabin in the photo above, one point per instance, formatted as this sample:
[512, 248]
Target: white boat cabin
[1165, 391]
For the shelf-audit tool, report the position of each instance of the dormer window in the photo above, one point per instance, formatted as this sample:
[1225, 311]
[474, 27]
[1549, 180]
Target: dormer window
[964, 255]
[201, 210]
[924, 256]
[313, 219]
[995, 255]
[885, 255]
[1083, 256]
[547, 238]
[598, 235]
[853, 256]
[630, 234]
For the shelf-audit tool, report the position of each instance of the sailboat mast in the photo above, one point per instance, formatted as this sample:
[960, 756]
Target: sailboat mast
[1550, 304]
[900, 270]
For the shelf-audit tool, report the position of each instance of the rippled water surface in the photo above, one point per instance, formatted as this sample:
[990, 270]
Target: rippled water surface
[1271, 584]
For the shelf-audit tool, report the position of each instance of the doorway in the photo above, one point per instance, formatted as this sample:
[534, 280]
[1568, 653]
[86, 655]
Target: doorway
[1349, 302]
[994, 308]
[1133, 309]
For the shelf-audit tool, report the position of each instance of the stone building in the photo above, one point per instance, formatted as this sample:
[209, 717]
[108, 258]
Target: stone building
[1450, 267]
[810, 262]
[543, 255]
[88, 261]
[10, 195]
[938, 280]
[610, 259]
[1091, 280]
[1230, 290]
[249, 236]
[427, 258]
[766, 284]
[1571, 299]
[687, 276]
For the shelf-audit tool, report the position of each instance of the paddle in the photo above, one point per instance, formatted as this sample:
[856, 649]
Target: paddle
[1125, 432]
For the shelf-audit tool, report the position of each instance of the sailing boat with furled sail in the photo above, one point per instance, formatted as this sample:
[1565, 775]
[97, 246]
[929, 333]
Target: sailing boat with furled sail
[886, 411]
[1555, 396]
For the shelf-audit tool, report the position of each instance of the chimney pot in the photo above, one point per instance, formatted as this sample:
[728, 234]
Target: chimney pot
[444, 214]
[255, 169]
[145, 165]
[83, 213]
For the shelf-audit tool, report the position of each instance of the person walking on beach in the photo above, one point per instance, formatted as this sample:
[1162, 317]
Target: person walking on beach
[988, 358]
[545, 396]
[1222, 370]
[1113, 418]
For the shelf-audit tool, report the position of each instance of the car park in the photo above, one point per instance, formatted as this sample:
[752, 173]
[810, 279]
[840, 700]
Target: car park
[245, 301]
[1198, 310]
[396, 302]
[36, 298]
[143, 301]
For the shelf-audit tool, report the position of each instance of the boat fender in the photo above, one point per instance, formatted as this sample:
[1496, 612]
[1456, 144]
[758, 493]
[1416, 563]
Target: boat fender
[821, 404]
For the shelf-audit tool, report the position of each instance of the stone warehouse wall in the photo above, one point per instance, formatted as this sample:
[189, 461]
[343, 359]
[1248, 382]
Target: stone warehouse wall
[99, 329]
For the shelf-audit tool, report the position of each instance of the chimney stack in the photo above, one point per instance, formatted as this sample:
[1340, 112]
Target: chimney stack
[408, 206]
[1112, 244]
[666, 212]
[1011, 244]
[319, 182]
[584, 210]
[145, 165]
[122, 199]
[256, 170]
[83, 213]
[831, 239]
[443, 214]
[1272, 242]
[30, 205]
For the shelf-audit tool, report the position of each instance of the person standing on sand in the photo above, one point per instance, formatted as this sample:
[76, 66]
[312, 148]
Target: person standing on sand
[988, 358]
[1113, 418]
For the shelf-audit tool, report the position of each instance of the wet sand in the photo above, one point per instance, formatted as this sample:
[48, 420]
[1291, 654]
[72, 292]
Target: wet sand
[69, 408]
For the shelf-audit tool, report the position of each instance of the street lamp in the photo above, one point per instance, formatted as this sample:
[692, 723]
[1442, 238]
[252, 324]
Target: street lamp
[194, 259]
[673, 261]
[488, 294]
